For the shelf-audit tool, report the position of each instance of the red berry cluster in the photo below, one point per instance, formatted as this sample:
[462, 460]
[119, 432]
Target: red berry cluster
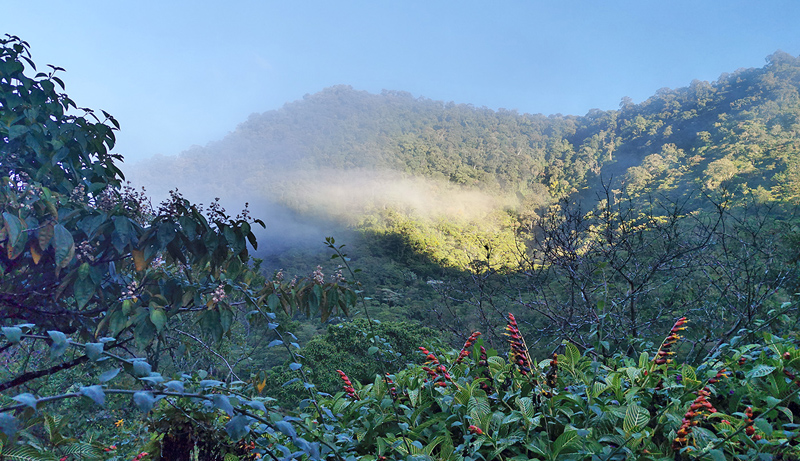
[140, 456]
[436, 371]
[748, 425]
[519, 353]
[467, 346]
[348, 386]
[473, 429]
[699, 408]
[484, 364]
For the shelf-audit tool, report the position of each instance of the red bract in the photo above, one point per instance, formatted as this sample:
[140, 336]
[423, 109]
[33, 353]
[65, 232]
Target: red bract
[467, 345]
[348, 386]
[519, 353]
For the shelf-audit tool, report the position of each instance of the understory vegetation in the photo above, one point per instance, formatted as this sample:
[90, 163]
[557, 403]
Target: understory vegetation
[652, 318]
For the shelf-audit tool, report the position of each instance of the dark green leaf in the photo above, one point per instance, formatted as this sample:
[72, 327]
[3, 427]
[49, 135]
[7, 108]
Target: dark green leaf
[141, 368]
[95, 393]
[13, 334]
[64, 245]
[238, 427]
[109, 375]
[223, 403]
[94, 351]
[159, 318]
[9, 425]
[60, 343]
[26, 399]
[144, 401]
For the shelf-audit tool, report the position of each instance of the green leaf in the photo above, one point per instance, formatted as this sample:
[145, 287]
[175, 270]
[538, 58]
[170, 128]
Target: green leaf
[372, 350]
[636, 418]
[60, 343]
[644, 360]
[223, 403]
[141, 368]
[26, 399]
[717, 455]
[238, 427]
[64, 245]
[598, 388]
[294, 366]
[46, 233]
[565, 441]
[13, 334]
[109, 375]
[83, 289]
[572, 354]
[95, 393]
[526, 406]
[25, 453]
[159, 318]
[94, 351]
[9, 425]
[144, 401]
[760, 371]
[17, 235]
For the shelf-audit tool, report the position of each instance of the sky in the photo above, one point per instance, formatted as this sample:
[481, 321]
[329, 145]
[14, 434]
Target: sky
[183, 73]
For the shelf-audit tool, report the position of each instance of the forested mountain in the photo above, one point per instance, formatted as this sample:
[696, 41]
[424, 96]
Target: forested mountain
[452, 177]
[743, 125]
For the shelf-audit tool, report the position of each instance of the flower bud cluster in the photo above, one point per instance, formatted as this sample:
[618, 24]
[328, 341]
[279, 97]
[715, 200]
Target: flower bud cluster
[749, 429]
[338, 277]
[130, 290]
[84, 251]
[219, 293]
[78, 194]
[348, 386]
[467, 346]
[436, 371]
[473, 429]
[519, 353]
[318, 276]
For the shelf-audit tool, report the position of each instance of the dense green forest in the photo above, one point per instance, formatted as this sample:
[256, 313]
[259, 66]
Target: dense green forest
[619, 285]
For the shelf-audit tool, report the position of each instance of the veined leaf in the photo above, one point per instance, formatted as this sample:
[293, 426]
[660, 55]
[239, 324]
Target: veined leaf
[565, 441]
[526, 406]
[572, 355]
[760, 371]
[636, 418]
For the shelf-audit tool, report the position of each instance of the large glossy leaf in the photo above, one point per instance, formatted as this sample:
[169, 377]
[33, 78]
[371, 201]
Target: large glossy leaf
[17, 235]
[64, 245]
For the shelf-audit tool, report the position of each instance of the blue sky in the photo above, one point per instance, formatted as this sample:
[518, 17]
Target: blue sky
[179, 73]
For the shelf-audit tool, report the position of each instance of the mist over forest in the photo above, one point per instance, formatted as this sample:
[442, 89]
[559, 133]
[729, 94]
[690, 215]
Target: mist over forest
[329, 162]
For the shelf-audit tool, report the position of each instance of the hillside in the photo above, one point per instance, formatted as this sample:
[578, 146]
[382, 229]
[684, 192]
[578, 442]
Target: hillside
[460, 175]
